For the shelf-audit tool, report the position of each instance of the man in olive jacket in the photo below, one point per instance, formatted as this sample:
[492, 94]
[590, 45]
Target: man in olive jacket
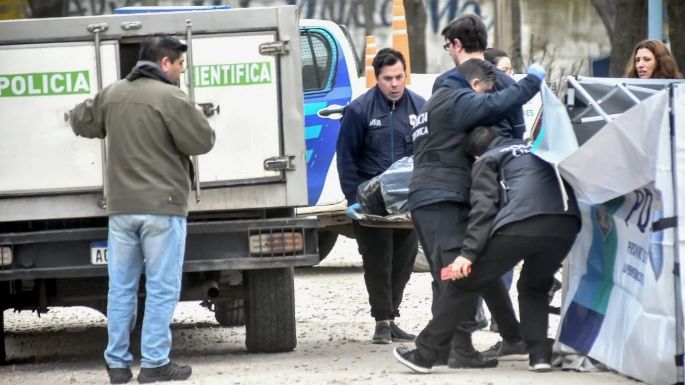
[152, 128]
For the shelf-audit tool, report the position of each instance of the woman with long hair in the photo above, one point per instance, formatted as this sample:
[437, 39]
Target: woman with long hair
[651, 59]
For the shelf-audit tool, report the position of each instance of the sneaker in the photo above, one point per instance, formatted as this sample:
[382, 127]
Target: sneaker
[411, 359]
[168, 372]
[540, 365]
[119, 375]
[506, 348]
[399, 335]
[383, 333]
[464, 360]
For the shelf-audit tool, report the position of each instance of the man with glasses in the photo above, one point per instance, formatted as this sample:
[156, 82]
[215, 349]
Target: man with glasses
[440, 212]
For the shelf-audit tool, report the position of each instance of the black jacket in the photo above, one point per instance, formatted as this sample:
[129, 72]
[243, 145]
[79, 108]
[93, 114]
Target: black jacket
[511, 184]
[513, 125]
[374, 133]
[440, 161]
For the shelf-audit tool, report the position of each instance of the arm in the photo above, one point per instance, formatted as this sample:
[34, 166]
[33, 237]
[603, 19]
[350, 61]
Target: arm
[188, 126]
[87, 118]
[487, 109]
[484, 206]
[348, 150]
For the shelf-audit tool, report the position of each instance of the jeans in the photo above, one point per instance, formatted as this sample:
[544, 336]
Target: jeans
[156, 243]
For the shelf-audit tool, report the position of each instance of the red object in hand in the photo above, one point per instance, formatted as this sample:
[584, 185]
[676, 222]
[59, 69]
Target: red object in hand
[446, 273]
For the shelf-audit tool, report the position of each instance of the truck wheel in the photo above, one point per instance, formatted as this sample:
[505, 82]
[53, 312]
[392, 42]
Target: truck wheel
[326, 242]
[230, 313]
[270, 311]
[421, 263]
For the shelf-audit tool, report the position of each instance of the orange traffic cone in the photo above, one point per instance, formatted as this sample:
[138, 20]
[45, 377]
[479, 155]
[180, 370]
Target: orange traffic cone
[400, 38]
[368, 61]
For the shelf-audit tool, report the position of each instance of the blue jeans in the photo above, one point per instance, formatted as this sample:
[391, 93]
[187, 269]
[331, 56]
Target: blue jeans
[157, 243]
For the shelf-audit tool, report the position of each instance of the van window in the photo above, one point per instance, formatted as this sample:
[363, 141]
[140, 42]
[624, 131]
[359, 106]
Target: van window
[317, 61]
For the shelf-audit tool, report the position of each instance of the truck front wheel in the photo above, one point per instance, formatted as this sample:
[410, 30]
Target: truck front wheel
[270, 311]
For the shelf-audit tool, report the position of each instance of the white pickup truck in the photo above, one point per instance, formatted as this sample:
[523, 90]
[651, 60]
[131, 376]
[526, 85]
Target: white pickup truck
[244, 237]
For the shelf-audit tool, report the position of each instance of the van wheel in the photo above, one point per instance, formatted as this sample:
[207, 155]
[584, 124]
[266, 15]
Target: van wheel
[326, 242]
[230, 313]
[270, 311]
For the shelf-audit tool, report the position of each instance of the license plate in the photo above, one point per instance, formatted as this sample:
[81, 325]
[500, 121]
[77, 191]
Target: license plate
[98, 253]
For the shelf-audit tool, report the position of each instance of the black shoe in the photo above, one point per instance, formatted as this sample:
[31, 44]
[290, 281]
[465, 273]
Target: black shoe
[539, 365]
[119, 375]
[383, 333]
[463, 360]
[399, 335]
[505, 348]
[411, 359]
[168, 372]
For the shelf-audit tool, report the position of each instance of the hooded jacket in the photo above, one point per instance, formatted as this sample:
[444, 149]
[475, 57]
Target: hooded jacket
[511, 184]
[442, 169]
[513, 125]
[151, 128]
[374, 133]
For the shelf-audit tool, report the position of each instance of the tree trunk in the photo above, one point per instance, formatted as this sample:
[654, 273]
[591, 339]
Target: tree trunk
[626, 24]
[676, 30]
[416, 29]
[48, 8]
[515, 53]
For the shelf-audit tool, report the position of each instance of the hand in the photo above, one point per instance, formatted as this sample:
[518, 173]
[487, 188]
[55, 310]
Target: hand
[199, 108]
[537, 70]
[352, 210]
[461, 267]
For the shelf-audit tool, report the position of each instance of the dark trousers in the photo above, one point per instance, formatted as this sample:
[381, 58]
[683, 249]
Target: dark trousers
[441, 228]
[542, 255]
[388, 256]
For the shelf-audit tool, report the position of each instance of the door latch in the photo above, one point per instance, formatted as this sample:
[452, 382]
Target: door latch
[282, 163]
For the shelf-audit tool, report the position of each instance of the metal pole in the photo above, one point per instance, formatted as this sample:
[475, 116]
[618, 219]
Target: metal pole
[655, 19]
[676, 253]
[191, 94]
[96, 29]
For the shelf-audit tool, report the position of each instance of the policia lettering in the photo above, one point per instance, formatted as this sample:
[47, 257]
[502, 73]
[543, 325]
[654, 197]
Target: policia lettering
[240, 74]
[47, 83]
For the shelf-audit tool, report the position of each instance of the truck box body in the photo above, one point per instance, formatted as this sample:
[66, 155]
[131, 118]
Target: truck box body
[243, 235]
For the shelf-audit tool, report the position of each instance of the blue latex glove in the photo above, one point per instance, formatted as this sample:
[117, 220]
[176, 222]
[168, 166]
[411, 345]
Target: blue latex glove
[351, 210]
[537, 70]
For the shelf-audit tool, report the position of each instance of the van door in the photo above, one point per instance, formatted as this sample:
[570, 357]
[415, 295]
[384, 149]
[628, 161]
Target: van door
[230, 73]
[326, 82]
[39, 83]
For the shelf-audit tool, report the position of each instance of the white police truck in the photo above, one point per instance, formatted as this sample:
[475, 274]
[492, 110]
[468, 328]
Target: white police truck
[244, 237]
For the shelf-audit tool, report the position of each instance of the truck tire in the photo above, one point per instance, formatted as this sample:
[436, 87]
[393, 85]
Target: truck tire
[270, 311]
[326, 242]
[230, 313]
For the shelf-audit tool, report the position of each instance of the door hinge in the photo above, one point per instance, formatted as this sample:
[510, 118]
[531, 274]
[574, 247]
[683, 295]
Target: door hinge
[279, 163]
[274, 48]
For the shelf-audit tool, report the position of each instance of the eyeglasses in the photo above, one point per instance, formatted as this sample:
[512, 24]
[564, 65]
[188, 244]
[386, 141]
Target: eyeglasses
[447, 45]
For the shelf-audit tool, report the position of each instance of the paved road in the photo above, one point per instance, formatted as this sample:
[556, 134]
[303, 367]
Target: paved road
[334, 329]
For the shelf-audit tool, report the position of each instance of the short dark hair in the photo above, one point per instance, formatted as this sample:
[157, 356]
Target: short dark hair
[470, 30]
[387, 57]
[155, 48]
[477, 69]
[478, 141]
[493, 55]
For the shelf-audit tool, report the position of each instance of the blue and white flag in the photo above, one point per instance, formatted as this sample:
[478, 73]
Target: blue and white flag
[556, 139]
